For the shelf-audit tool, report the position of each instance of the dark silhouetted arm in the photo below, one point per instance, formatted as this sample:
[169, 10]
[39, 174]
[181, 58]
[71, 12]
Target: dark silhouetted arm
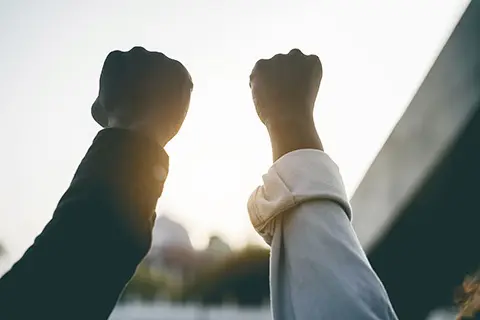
[100, 231]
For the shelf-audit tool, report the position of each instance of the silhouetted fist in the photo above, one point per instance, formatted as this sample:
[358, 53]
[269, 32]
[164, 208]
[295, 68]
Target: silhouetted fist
[285, 87]
[145, 91]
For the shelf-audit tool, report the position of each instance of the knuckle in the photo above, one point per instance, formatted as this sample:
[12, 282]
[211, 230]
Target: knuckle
[295, 51]
[158, 55]
[259, 66]
[113, 62]
[138, 52]
[138, 49]
[277, 57]
[178, 65]
[115, 53]
[313, 58]
[114, 56]
[177, 68]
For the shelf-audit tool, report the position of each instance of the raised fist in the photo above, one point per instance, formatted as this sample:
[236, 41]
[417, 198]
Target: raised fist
[145, 91]
[285, 87]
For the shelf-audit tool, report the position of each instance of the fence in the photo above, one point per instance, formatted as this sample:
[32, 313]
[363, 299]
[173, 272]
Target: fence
[187, 312]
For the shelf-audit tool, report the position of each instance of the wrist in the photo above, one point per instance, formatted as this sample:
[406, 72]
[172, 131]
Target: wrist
[285, 122]
[149, 133]
[290, 134]
[141, 128]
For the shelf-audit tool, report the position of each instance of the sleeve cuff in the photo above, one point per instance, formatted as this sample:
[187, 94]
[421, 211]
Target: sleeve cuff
[297, 177]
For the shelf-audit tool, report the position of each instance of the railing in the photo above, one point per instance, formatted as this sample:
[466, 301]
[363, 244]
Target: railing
[162, 311]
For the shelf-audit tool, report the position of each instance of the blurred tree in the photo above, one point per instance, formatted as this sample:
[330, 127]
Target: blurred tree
[146, 285]
[241, 278]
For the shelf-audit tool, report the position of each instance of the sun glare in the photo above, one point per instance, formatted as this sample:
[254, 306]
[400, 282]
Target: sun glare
[373, 63]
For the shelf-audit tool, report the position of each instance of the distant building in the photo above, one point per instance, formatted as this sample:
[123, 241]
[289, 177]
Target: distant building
[170, 233]
[172, 252]
[217, 248]
[173, 256]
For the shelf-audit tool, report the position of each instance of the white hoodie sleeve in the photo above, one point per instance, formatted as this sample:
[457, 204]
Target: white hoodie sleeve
[318, 269]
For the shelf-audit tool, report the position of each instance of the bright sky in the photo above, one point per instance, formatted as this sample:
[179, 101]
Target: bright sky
[375, 54]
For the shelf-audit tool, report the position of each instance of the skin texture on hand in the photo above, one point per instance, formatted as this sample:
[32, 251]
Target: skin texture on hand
[284, 89]
[143, 91]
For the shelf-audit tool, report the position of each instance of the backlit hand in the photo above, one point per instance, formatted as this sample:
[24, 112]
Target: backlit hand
[144, 91]
[284, 90]
[286, 86]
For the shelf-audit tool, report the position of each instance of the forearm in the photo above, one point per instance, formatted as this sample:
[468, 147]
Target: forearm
[290, 134]
[99, 233]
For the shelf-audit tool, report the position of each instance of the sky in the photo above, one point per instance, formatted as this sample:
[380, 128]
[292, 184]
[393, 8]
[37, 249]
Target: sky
[375, 54]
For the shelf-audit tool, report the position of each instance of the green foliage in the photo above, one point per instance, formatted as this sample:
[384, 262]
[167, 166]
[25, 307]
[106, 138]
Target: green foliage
[145, 285]
[243, 278]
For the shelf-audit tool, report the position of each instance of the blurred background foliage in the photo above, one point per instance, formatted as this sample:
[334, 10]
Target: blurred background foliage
[241, 277]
